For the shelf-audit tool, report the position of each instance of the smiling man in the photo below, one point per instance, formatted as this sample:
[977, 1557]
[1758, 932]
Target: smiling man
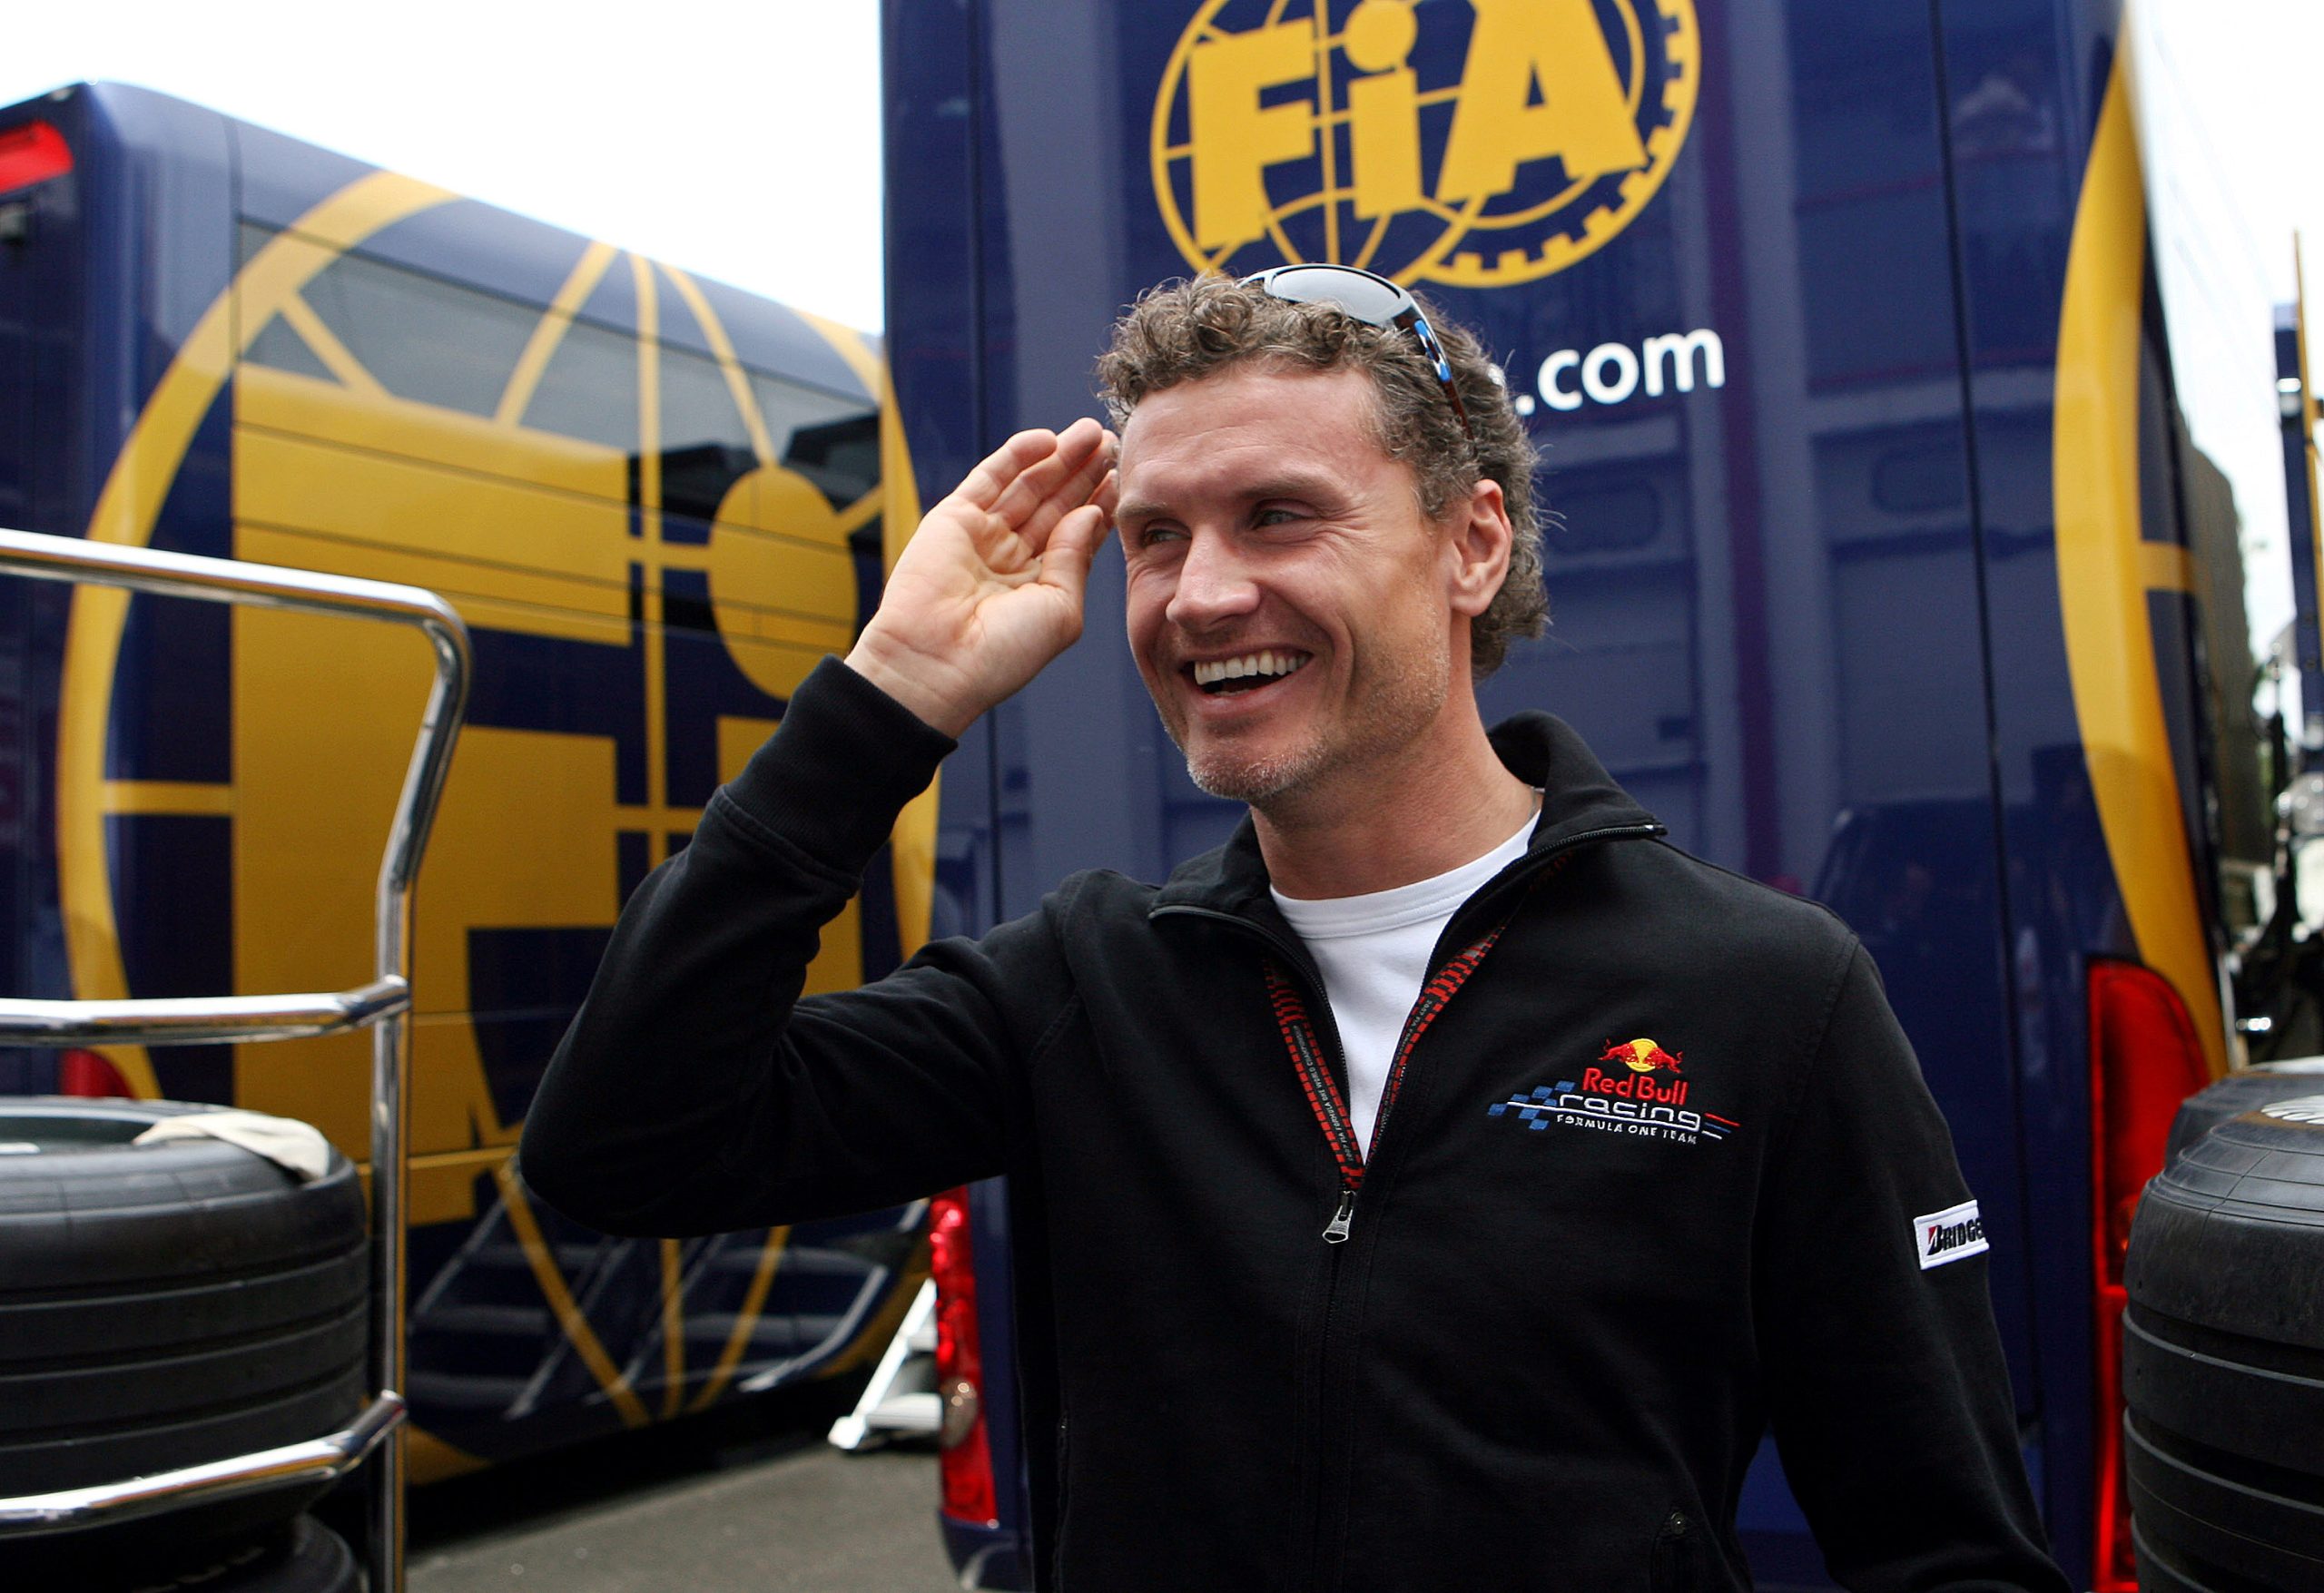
[1444, 1183]
[1274, 552]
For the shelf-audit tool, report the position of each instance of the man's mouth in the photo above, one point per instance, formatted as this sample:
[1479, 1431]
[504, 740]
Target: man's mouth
[1246, 672]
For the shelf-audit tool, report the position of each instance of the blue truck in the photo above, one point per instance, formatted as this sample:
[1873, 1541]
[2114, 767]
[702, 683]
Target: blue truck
[1920, 541]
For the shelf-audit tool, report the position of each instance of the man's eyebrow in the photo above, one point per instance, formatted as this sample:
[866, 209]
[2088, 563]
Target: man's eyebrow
[1311, 488]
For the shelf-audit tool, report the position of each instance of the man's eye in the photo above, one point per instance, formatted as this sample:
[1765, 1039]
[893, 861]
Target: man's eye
[1277, 517]
[1153, 535]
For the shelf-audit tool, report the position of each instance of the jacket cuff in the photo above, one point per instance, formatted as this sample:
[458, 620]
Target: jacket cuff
[832, 779]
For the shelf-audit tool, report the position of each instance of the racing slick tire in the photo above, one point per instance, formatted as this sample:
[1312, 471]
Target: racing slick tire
[162, 1306]
[2157, 1574]
[300, 1556]
[2245, 1090]
[2223, 1358]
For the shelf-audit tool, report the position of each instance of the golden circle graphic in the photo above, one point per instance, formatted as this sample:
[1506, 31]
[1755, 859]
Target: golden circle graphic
[1380, 36]
[1476, 145]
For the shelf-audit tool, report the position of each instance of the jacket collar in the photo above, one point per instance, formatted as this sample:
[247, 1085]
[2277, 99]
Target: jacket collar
[1579, 799]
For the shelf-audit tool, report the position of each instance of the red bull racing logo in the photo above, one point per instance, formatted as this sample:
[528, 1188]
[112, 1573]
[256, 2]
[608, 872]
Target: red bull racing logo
[1643, 1095]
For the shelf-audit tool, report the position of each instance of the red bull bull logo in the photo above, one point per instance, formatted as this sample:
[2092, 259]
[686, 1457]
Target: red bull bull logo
[1643, 1056]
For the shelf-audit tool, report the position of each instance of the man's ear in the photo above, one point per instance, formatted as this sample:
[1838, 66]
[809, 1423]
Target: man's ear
[1477, 543]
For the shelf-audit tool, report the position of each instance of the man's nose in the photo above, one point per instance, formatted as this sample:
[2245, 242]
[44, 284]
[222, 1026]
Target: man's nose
[1214, 584]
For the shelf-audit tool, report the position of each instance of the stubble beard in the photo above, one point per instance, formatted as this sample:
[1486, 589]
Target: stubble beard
[1393, 705]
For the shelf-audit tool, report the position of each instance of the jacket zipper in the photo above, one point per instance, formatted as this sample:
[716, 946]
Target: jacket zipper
[1336, 1232]
[1670, 1544]
[1323, 1091]
[1064, 1499]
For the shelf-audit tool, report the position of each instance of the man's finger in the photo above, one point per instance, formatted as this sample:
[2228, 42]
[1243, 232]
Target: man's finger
[1073, 544]
[1067, 494]
[1001, 469]
[1037, 482]
[1047, 478]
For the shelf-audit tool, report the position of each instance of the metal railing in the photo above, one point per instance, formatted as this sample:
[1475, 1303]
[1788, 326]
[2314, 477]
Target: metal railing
[319, 1460]
[380, 1005]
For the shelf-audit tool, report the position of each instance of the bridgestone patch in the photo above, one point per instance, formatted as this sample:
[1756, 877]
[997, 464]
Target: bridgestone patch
[1954, 1234]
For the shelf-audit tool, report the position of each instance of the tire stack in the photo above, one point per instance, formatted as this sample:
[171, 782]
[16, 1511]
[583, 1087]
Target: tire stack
[2238, 1093]
[162, 1306]
[2223, 1344]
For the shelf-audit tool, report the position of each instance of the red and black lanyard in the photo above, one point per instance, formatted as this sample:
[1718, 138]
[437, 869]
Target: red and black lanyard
[1322, 1090]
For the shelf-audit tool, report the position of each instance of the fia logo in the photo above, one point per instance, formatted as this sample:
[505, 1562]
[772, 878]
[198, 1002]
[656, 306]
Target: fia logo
[1475, 144]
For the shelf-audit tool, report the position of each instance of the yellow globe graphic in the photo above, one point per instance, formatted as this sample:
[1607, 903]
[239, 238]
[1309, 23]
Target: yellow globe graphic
[468, 442]
[1382, 134]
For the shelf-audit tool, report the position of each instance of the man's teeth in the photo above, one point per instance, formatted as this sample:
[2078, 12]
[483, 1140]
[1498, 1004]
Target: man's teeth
[1262, 662]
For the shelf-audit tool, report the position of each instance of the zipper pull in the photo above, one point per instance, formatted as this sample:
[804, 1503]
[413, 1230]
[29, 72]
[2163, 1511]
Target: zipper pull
[1337, 1233]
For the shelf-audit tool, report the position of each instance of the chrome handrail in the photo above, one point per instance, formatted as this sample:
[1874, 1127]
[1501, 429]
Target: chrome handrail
[319, 1460]
[381, 1005]
[205, 1020]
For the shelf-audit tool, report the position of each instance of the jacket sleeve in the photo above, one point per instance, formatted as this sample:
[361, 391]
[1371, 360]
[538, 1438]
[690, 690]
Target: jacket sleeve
[1887, 1390]
[696, 1091]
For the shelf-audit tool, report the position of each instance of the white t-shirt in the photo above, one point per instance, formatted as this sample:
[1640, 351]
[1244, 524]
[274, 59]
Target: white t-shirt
[1373, 952]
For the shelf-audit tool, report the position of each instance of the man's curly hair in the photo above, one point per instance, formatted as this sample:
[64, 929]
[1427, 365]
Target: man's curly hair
[1183, 332]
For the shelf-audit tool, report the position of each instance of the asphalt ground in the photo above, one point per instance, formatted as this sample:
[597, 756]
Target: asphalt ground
[749, 1503]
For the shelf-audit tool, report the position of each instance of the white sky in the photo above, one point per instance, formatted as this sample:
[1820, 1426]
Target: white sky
[740, 139]
[2248, 69]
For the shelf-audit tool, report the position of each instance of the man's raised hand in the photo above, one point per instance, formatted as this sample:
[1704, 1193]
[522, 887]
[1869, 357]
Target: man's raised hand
[990, 588]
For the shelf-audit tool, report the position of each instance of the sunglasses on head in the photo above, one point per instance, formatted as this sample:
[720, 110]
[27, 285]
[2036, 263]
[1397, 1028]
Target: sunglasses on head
[1372, 299]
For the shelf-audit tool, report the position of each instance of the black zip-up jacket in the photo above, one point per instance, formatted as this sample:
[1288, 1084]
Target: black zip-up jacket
[1574, 1292]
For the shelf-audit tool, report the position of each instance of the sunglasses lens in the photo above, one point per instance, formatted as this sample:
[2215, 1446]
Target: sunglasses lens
[1359, 294]
[1374, 300]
